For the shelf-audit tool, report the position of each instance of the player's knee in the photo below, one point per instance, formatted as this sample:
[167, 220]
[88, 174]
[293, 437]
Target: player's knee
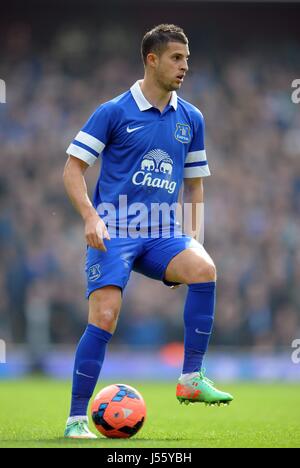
[210, 272]
[109, 317]
[105, 318]
[207, 272]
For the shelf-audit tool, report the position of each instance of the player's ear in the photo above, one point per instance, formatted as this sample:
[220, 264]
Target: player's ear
[152, 59]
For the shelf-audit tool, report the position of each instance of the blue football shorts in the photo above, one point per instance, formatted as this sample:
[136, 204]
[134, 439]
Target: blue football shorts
[148, 256]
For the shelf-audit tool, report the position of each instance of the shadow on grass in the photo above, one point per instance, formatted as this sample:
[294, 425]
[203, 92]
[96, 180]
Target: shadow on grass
[100, 441]
[116, 441]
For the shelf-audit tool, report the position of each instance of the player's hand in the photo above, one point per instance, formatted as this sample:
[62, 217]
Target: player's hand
[96, 232]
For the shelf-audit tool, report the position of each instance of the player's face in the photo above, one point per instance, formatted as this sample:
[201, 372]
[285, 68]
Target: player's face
[171, 66]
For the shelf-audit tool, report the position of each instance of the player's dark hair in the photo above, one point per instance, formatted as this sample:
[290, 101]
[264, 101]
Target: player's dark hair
[158, 38]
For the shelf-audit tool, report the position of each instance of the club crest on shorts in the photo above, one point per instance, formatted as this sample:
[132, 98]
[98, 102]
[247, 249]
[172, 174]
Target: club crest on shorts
[94, 272]
[183, 133]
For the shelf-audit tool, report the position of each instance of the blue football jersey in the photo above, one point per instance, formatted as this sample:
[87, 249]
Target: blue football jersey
[146, 154]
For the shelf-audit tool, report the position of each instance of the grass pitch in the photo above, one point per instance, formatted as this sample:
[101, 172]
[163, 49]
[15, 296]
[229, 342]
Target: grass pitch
[33, 414]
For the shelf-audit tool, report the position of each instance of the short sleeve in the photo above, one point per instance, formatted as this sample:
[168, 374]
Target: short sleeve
[94, 135]
[196, 164]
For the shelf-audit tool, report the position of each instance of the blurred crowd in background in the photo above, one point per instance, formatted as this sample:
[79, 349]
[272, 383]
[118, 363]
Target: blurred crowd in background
[252, 200]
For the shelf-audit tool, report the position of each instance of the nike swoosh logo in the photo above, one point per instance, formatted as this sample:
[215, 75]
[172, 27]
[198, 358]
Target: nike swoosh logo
[200, 332]
[129, 130]
[84, 375]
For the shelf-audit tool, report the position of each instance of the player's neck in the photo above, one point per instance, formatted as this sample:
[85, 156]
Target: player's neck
[154, 94]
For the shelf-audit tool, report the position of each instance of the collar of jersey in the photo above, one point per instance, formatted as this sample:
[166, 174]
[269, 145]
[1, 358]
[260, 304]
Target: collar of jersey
[142, 102]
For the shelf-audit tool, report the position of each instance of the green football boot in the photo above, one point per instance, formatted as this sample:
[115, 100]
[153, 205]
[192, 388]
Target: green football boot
[199, 389]
[79, 430]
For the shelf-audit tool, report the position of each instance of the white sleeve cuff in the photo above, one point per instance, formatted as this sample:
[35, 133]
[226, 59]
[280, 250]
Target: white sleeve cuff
[197, 171]
[91, 141]
[81, 153]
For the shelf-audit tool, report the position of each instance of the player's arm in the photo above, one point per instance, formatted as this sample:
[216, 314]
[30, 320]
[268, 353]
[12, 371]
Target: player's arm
[193, 198]
[84, 151]
[75, 184]
[195, 169]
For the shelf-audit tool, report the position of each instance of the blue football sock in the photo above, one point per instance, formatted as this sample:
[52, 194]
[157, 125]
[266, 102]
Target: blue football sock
[88, 362]
[198, 321]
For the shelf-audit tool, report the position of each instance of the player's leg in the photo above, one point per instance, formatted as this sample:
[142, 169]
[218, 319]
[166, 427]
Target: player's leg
[195, 268]
[104, 308]
[107, 275]
[183, 260]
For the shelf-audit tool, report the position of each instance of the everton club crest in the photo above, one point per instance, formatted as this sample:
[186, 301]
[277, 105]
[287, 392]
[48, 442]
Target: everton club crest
[183, 133]
[94, 272]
